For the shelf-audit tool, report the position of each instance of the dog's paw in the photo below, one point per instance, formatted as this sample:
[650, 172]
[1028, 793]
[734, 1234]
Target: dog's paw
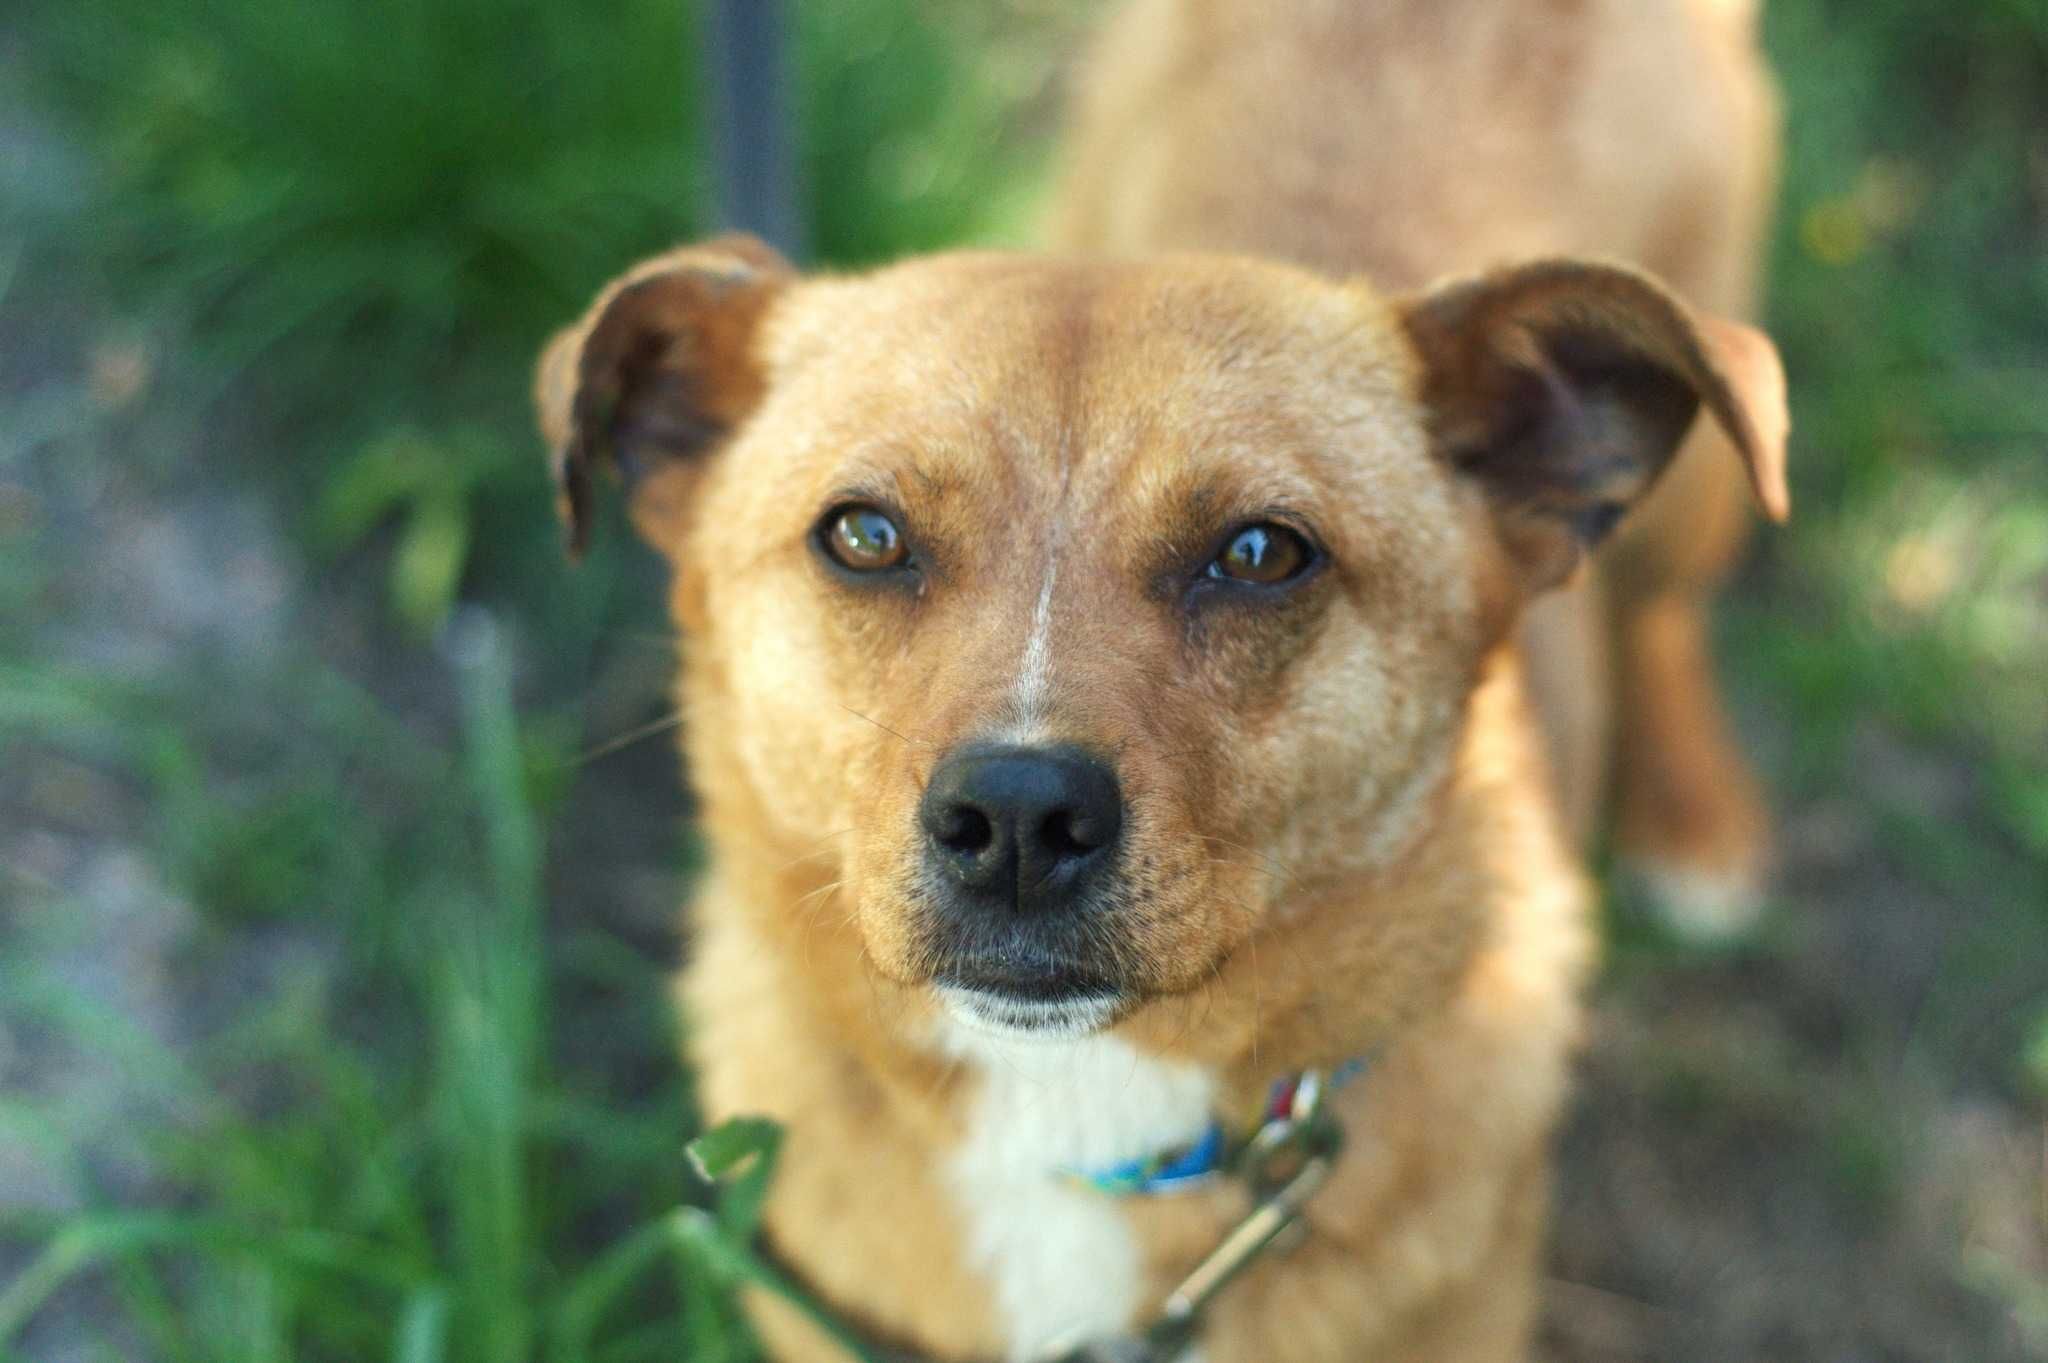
[1696, 905]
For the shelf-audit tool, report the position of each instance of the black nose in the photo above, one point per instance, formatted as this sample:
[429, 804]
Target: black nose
[1022, 828]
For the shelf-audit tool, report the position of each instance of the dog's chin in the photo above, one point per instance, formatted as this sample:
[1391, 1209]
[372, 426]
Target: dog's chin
[1015, 1018]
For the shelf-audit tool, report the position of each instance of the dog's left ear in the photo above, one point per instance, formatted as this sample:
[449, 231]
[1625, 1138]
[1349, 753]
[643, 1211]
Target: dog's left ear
[658, 372]
[1564, 388]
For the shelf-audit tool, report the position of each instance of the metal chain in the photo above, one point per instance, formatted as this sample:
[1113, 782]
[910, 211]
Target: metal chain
[1286, 1160]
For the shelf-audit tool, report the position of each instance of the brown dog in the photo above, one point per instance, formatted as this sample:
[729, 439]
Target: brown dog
[1410, 139]
[1103, 696]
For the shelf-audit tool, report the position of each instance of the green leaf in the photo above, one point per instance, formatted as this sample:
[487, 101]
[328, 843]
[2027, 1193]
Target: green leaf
[739, 1156]
[426, 570]
[379, 480]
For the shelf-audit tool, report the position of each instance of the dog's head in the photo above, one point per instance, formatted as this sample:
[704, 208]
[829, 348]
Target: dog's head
[1090, 615]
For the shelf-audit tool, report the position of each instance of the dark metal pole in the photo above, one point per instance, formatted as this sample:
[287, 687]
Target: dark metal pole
[746, 53]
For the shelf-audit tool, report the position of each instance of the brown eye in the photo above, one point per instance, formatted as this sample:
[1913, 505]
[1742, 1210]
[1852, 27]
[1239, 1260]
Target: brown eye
[1266, 554]
[865, 540]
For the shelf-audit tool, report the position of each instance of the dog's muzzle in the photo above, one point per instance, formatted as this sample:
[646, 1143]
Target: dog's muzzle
[1020, 846]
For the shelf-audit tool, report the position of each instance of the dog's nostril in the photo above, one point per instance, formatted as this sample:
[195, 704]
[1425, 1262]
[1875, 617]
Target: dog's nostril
[1066, 833]
[965, 830]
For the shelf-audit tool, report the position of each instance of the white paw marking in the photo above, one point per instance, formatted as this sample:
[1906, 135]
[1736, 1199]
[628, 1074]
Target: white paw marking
[1704, 907]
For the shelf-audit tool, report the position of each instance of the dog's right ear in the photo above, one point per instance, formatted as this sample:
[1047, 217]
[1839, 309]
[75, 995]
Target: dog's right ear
[655, 375]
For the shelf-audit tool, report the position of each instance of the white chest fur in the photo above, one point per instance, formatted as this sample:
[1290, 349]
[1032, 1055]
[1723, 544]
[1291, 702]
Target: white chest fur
[1062, 1259]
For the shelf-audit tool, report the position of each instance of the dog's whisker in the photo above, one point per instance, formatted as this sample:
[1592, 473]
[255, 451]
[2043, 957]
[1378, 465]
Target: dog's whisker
[664, 638]
[913, 742]
[1229, 864]
[640, 734]
[1211, 988]
[815, 850]
[823, 897]
[867, 975]
[873, 977]
[945, 1075]
[1257, 981]
[1272, 863]
[810, 895]
[1187, 1005]
[801, 858]
[1187, 1014]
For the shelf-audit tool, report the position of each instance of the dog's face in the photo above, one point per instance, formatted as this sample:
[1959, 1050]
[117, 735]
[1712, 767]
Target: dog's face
[1086, 618]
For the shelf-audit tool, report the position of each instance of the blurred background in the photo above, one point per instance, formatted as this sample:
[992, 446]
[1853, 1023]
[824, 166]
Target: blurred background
[341, 838]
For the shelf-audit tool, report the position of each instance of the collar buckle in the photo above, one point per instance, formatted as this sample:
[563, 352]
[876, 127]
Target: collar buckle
[1298, 1130]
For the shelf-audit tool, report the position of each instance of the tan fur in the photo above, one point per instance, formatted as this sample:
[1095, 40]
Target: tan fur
[1336, 839]
[1409, 139]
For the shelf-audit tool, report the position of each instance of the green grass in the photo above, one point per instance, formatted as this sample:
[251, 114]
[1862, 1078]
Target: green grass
[359, 221]
[382, 1161]
[338, 231]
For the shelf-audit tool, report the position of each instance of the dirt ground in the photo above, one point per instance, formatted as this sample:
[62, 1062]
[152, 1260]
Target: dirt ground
[1809, 1149]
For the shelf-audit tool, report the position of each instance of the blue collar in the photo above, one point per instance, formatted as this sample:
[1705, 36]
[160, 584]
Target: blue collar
[1186, 1167]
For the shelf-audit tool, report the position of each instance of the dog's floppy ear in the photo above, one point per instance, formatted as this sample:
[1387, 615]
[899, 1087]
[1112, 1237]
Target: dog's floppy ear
[1565, 388]
[658, 371]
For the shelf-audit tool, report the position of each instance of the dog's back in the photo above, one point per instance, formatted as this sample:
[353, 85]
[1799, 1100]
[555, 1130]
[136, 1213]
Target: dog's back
[1411, 139]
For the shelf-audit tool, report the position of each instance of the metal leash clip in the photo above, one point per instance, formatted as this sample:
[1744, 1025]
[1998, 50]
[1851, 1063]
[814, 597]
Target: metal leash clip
[1286, 1160]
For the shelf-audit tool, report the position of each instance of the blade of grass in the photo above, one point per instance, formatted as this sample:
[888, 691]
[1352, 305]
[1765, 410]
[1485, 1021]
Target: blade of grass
[592, 1292]
[423, 1328]
[88, 1241]
[703, 1236]
[490, 1021]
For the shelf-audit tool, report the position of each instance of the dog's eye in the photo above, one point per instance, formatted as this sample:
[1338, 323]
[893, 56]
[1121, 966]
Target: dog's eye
[863, 539]
[1266, 554]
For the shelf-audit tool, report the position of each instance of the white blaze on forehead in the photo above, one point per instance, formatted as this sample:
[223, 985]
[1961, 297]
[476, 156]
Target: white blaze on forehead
[1062, 1259]
[1034, 672]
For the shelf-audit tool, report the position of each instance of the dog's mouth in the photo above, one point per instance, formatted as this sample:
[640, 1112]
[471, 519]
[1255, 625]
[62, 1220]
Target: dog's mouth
[1009, 1016]
[1029, 997]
